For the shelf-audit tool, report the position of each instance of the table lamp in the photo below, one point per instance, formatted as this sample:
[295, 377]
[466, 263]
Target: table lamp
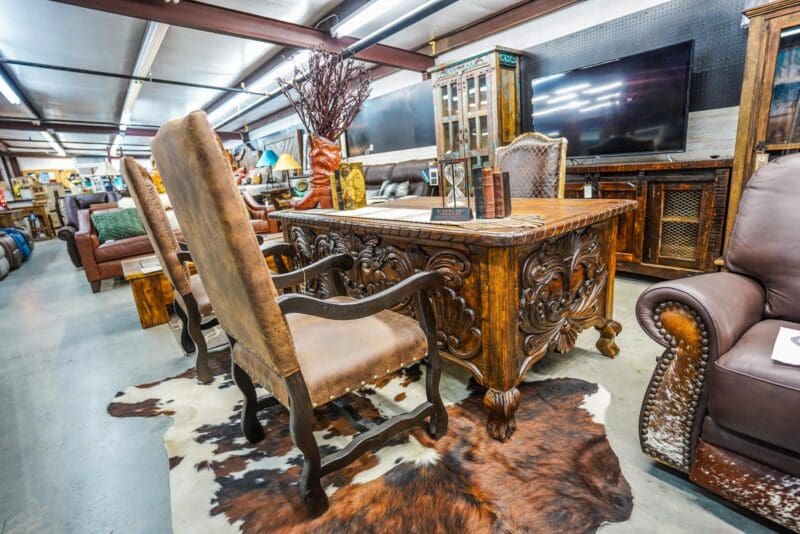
[268, 159]
[286, 162]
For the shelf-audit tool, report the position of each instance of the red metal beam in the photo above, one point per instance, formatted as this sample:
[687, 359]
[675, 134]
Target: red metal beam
[92, 129]
[205, 17]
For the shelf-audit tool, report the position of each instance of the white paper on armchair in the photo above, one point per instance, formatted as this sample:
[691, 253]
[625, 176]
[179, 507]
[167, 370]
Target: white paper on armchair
[787, 346]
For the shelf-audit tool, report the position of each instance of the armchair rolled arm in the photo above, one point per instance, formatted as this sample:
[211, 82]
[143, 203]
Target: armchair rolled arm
[329, 309]
[326, 265]
[726, 303]
[696, 319]
[67, 233]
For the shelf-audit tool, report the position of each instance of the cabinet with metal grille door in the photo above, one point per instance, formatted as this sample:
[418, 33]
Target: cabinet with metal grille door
[678, 226]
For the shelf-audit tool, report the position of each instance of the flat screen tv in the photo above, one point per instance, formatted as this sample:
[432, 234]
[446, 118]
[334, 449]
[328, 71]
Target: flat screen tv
[637, 104]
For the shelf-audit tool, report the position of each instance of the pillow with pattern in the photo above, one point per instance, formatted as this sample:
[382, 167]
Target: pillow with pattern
[394, 189]
[117, 224]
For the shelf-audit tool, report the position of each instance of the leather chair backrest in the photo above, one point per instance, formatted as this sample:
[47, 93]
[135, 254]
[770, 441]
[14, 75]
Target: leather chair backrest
[155, 222]
[215, 223]
[535, 165]
[766, 234]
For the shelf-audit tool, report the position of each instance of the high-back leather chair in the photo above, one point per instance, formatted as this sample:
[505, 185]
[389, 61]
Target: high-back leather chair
[718, 407]
[295, 346]
[191, 301]
[536, 165]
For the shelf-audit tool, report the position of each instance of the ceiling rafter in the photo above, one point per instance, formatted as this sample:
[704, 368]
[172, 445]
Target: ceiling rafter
[89, 129]
[214, 19]
[513, 16]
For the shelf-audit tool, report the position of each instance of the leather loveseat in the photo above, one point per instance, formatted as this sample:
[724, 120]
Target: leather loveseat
[105, 261]
[72, 205]
[718, 407]
[406, 171]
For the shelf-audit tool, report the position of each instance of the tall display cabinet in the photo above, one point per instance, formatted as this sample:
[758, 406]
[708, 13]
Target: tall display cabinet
[477, 103]
[769, 113]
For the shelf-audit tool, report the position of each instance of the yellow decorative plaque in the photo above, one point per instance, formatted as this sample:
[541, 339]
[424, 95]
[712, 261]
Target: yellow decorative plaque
[351, 187]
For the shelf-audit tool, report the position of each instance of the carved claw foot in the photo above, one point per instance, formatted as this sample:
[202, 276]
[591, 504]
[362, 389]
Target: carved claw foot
[608, 334]
[502, 406]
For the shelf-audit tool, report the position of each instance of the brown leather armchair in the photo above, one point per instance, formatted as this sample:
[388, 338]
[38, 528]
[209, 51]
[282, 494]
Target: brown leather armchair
[717, 406]
[105, 261]
[259, 215]
[72, 205]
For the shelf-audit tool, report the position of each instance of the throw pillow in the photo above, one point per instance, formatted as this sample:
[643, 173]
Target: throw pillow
[373, 193]
[117, 224]
[394, 189]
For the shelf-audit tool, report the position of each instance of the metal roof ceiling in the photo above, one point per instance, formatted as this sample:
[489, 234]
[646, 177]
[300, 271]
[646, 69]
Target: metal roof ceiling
[57, 34]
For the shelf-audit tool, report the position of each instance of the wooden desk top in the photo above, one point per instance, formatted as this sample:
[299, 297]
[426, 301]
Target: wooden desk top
[560, 216]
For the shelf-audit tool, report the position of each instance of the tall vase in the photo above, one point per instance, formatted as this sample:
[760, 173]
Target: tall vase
[325, 158]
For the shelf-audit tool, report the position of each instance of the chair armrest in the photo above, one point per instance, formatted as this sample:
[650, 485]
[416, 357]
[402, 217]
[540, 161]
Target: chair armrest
[326, 265]
[279, 249]
[726, 303]
[696, 319]
[67, 233]
[365, 307]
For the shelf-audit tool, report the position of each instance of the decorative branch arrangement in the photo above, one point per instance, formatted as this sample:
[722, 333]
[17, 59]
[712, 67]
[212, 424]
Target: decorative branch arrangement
[328, 93]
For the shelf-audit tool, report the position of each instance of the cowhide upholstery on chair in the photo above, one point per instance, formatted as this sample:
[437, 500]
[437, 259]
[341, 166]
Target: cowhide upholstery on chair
[536, 165]
[296, 346]
[718, 407]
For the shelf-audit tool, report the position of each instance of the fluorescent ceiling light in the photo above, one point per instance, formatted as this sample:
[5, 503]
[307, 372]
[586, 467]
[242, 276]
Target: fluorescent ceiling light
[285, 69]
[154, 35]
[570, 105]
[562, 98]
[607, 97]
[540, 98]
[362, 17]
[53, 143]
[597, 106]
[790, 32]
[8, 92]
[546, 78]
[602, 88]
[572, 88]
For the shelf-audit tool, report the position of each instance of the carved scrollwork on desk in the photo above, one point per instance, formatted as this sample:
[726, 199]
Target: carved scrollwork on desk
[379, 265]
[560, 294]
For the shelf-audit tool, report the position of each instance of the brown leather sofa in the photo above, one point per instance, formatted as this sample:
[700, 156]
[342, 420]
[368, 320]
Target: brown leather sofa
[717, 406]
[105, 261]
[410, 171]
[72, 205]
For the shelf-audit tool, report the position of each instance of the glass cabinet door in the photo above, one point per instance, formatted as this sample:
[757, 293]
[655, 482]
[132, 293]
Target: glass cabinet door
[783, 126]
[477, 112]
[449, 97]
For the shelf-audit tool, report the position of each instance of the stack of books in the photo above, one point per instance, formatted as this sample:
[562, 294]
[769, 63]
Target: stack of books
[492, 193]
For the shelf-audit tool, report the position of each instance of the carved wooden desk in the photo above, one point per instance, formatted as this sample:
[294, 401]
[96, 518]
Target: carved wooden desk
[510, 295]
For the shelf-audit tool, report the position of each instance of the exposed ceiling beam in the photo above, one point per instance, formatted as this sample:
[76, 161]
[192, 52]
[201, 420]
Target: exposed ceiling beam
[513, 16]
[205, 17]
[495, 23]
[90, 129]
[26, 103]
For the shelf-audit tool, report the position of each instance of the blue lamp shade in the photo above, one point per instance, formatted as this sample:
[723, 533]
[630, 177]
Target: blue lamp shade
[268, 159]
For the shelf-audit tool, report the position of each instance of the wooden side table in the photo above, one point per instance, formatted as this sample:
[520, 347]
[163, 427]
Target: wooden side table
[151, 290]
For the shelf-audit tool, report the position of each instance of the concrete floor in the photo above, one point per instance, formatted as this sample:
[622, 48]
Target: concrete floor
[67, 466]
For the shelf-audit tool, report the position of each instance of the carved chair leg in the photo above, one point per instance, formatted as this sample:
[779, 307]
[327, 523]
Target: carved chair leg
[609, 330]
[439, 420]
[204, 373]
[301, 420]
[251, 428]
[187, 344]
[502, 405]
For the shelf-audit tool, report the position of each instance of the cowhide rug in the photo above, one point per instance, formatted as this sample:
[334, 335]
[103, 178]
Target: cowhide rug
[557, 473]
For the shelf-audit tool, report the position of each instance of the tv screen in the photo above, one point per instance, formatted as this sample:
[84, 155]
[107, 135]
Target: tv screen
[632, 105]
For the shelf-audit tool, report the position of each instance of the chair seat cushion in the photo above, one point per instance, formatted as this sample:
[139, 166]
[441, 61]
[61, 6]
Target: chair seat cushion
[755, 396]
[123, 248]
[200, 296]
[337, 357]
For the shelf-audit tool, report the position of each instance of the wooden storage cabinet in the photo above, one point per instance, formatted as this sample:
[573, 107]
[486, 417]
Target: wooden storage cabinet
[678, 226]
[477, 105]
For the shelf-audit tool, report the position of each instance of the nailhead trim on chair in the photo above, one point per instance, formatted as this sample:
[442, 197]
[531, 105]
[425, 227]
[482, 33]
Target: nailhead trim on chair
[375, 377]
[695, 387]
